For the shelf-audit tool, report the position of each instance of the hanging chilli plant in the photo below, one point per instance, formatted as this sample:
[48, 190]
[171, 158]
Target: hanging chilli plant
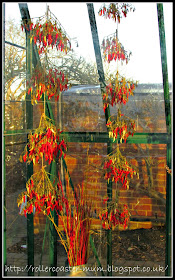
[117, 169]
[47, 32]
[44, 142]
[116, 10]
[114, 50]
[122, 126]
[114, 216]
[41, 195]
[50, 83]
[118, 91]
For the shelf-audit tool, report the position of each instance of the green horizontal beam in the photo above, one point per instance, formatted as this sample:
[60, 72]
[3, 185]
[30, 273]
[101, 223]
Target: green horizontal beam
[16, 132]
[102, 137]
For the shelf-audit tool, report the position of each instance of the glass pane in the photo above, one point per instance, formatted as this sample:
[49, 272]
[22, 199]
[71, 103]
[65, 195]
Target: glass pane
[16, 224]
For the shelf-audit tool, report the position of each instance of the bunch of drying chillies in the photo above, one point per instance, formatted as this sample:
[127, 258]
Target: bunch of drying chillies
[117, 169]
[118, 91]
[113, 50]
[47, 34]
[115, 10]
[44, 143]
[41, 195]
[114, 216]
[51, 84]
[121, 126]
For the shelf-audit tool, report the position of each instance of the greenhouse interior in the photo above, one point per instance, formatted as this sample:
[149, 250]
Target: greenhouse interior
[87, 143]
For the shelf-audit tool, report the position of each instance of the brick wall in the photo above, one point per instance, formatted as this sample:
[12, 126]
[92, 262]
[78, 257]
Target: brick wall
[146, 196]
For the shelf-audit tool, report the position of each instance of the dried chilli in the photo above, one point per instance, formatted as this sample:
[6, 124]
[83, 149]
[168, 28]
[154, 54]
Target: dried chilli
[47, 34]
[114, 50]
[44, 142]
[117, 169]
[41, 195]
[122, 126]
[118, 91]
[52, 84]
[114, 217]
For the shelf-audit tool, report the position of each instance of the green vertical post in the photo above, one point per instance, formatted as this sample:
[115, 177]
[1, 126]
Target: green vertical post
[109, 231]
[4, 166]
[164, 66]
[35, 59]
[100, 70]
[168, 125]
[29, 119]
[168, 215]
[52, 230]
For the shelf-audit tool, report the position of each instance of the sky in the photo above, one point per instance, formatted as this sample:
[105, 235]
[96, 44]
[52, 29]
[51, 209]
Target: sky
[138, 32]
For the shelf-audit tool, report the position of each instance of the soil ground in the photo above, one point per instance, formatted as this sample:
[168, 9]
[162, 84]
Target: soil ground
[140, 244]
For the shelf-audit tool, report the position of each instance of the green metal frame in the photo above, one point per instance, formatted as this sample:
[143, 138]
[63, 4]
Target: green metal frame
[100, 70]
[103, 137]
[29, 119]
[4, 169]
[33, 56]
[168, 125]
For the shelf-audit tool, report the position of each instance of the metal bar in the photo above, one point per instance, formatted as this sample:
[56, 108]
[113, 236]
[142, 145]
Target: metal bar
[168, 124]
[67, 171]
[97, 54]
[29, 119]
[164, 66]
[96, 255]
[52, 230]
[52, 234]
[102, 137]
[16, 132]
[168, 253]
[4, 165]
[100, 70]
[15, 45]
[42, 251]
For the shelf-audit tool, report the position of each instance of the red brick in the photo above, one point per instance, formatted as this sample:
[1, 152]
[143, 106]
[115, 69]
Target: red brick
[125, 193]
[143, 207]
[139, 213]
[126, 199]
[147, 201]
